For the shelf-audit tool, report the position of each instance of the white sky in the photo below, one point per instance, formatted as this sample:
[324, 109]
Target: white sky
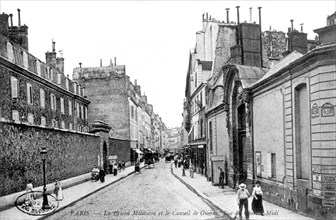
[152, 38]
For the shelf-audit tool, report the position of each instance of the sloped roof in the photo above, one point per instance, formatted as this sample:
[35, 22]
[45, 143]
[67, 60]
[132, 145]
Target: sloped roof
[249, 74]
[283, 63]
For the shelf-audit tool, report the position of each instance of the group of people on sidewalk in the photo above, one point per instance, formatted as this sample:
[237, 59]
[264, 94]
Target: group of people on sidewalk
[99, 174]
[242, 199]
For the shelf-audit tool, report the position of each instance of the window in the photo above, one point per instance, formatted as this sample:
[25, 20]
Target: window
[201, 127]
[85, 113]
[74, 87]
[132, 111]
[10, 52]
[59, 79]
[53, 102]
[67, 84]
[273, 165]
[30, 118]
[62, 105]
[29, 94]
[38, 67]
[51, 75]
[25, 60]
[43, 121]
[54, 123]
[77, 109]
[70, 107]
[82, 111]
[62, 124]
[15, 116]
[42, 98]
[14, 86]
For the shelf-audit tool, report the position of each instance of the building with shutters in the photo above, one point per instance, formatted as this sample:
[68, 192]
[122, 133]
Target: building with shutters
[36, 92]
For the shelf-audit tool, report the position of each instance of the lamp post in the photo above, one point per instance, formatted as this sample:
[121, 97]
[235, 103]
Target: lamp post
[45, 204]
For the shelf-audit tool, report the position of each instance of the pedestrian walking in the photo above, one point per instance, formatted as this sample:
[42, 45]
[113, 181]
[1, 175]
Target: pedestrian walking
[29, 193]
[257, 206]
[58, 190]
[191, 170]
[102, 175]
[175, 162]
[123, 164]
[242, 198]
[119, 166]
[221, 178]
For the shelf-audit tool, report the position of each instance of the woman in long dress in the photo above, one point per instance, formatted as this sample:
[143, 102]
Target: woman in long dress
[58, 191]
[29, 190]
[257, 206]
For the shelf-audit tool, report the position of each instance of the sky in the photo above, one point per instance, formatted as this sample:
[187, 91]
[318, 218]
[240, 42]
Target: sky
[151, 38]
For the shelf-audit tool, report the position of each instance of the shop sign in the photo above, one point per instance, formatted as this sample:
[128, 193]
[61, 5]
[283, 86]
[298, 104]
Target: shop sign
[327, 110]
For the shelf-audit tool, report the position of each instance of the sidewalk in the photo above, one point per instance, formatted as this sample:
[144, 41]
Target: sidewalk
[226, 198]
[71, 195]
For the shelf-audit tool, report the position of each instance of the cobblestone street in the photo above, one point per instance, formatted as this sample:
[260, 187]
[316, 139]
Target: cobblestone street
[153, 194]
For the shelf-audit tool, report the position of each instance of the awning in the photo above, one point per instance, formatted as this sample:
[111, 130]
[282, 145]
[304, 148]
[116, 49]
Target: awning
[137, 150]
[149, 149]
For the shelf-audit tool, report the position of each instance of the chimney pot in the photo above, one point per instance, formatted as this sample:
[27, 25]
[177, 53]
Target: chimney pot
[115, 61]
[227, 15]
[250, 14]
[238, 14]
[19, 19]
[111, 64]
[80, 65]
[292, 29]
[101, 63]
[11, 19]
[207, 16]
[53, 46]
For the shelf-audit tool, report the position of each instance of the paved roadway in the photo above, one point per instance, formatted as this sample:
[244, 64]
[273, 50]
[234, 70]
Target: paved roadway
[153, 194]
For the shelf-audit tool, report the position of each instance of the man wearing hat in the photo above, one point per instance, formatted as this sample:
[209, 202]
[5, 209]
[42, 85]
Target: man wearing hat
[242, 198]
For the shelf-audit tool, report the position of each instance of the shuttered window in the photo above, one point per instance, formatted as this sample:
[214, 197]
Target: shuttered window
[42, 98]
[29, 94]
[14, 87]
[62, 105]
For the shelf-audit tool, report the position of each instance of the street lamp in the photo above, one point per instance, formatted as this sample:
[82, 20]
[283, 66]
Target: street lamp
[45, 204]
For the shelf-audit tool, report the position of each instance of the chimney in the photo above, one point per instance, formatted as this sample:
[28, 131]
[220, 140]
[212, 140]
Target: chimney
[301, 27]
[207, 16]
[250, 14]
[111, 64]
[203, 17]
[135, 82]
[292, 29]
[227, 15]
[80, 65]
[238, 14]
[51, 56]
[4, 29]
[53, 46]
[19, 17]
[11, 19]
[115, 61]
[101, 63]
[261, 50]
